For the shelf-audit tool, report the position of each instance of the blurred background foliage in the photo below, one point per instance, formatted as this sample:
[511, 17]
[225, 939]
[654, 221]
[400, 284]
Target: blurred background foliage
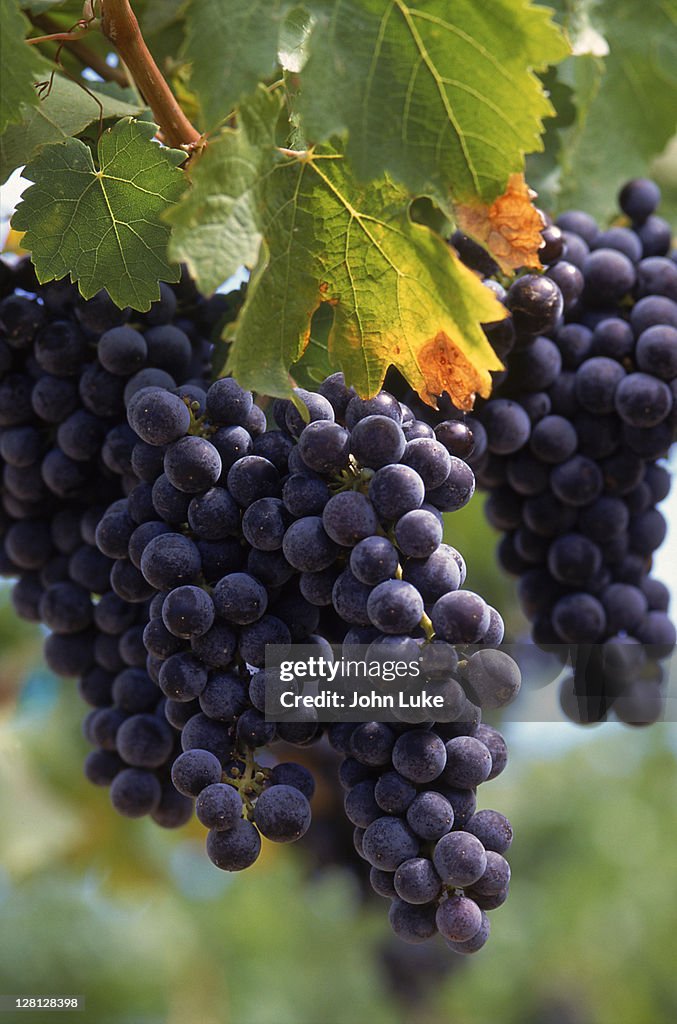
[139, 922]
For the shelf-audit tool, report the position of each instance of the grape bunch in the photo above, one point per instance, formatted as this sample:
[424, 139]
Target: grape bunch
[574, 433]
[67, 369]
[411, 795]
[210, 618]
[320, 532]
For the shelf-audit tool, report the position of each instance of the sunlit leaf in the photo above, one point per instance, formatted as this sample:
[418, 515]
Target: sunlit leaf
[399, 295]
[101, 224]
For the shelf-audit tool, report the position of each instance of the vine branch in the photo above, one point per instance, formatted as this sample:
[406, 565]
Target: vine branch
[88, 58]
[119, 24]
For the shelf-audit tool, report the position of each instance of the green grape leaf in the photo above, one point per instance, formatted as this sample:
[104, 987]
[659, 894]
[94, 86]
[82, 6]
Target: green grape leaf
[293, 40]
[157, 15]
[216, 227]
[399, 295]
[66, 111]
[542, 170]
[242, 51]
[102, 224]
[40, 6]
[20, 65]
[441, 96]
[626, 103]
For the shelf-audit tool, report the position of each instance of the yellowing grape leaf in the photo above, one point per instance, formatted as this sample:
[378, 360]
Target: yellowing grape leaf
[510, 227]
[102, 224]
[399, 295]
[20, 65]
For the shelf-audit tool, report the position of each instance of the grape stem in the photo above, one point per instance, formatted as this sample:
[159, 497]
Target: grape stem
[119, 24]
[427, 626]
[250, 781]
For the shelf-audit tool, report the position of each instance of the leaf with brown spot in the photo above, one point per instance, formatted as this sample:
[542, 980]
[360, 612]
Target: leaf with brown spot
[318, 237]
[446, 368]
[510, 228]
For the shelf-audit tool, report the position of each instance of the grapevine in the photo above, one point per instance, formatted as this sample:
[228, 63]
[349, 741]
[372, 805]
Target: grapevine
[201, 477]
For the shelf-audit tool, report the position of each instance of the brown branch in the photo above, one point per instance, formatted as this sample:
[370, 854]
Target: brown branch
[88, 58]
[119, 24]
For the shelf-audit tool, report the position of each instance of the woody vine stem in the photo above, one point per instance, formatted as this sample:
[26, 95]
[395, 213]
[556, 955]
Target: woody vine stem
[119, 24]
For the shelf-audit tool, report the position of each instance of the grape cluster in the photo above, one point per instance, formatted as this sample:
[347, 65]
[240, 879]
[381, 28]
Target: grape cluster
[205, 494]
[574, 432]
[325, 529]
[411, 795]
[67, 369]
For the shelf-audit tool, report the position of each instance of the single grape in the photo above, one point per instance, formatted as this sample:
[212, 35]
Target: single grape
[430, 459]
[182, 676]
[639, 198]
[235, 848]
[535, 304]
[371, 743]
[387, 842]
[596, 382]
[459, 858]
[460, 617]
[382, 882]
[430, 816]
[308, 544]
[642, 401]
[194, 770]
[395, 606]
[609, 275]
[192, 464]
[188, 612]
[377, 441]
[282, 814]
[458, 918]
[227, 403]
[457, 489]
[359, 804]
[579, 618]
[157, 416]
[135, 792]
[416, 881]
[144, 741]
[169, 560]
[476, 943]
[412, 923]
[507, 425]
[395, 490]
[324, 447]
[419, 755]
